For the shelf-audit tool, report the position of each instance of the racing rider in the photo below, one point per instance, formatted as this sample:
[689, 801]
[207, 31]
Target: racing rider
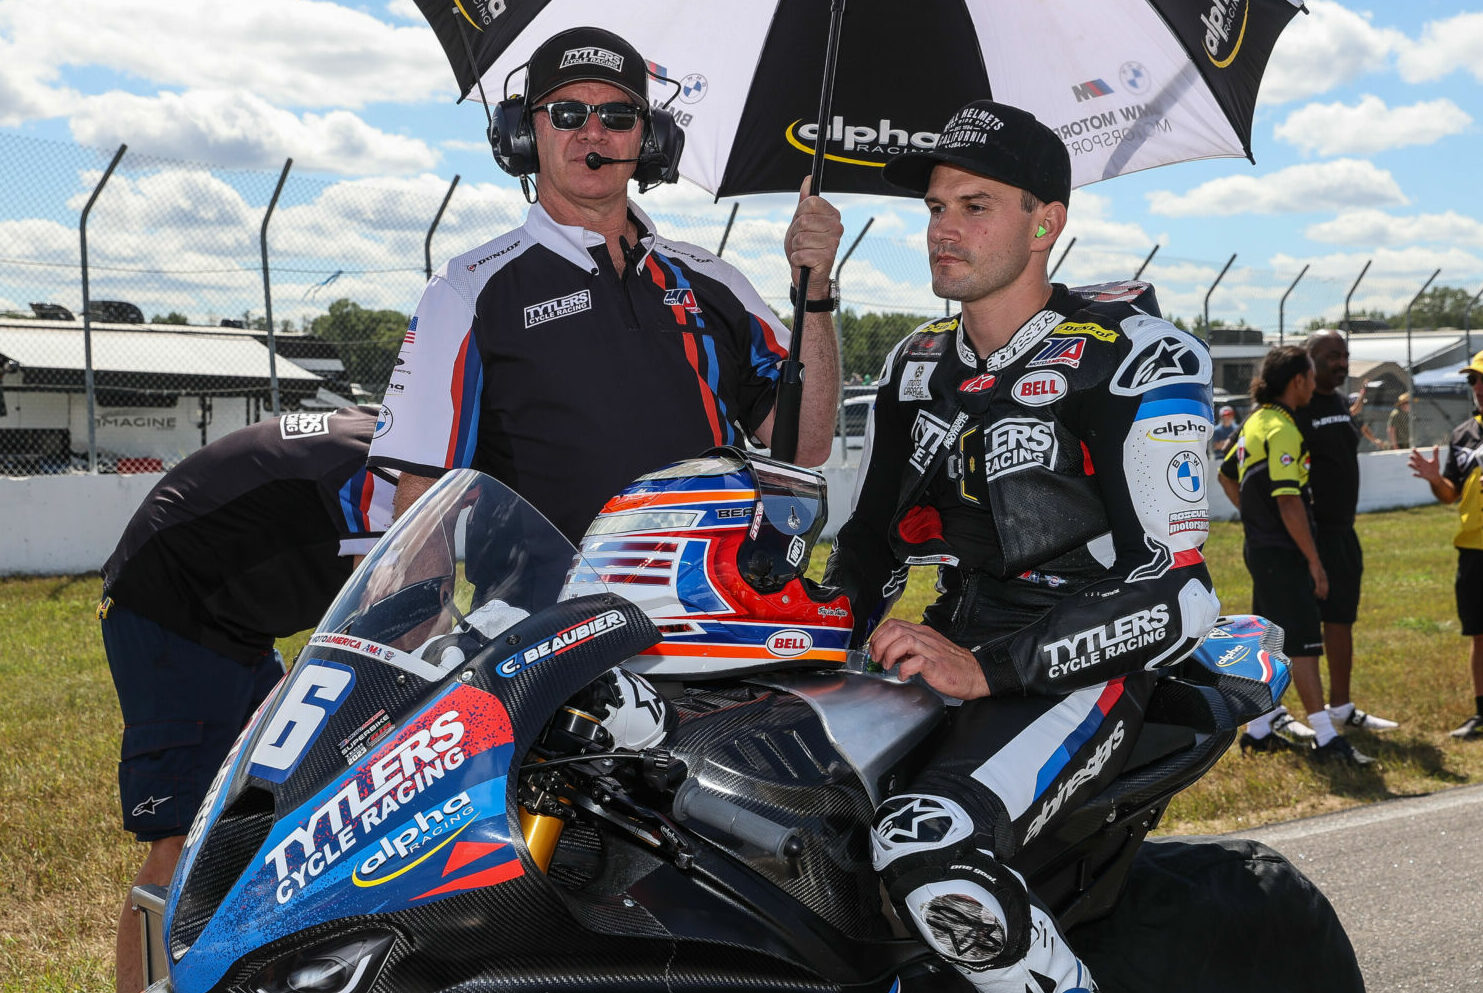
[581, 350]
[1045, 448]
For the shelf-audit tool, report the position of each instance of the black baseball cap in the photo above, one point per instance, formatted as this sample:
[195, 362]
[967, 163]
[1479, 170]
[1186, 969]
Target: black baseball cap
[587, 53]
[997, 141]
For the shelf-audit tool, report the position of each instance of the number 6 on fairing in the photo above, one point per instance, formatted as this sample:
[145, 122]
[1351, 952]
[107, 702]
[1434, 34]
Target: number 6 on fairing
[317, 691]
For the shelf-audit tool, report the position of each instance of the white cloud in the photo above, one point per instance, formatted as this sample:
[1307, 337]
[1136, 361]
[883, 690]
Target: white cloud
[1361, 228]
[406, 10]
[1444, 46]
[292, 53]
[1331, 185]
[241, 130]
[26, 90]
[1331, 46]
[1369, 126]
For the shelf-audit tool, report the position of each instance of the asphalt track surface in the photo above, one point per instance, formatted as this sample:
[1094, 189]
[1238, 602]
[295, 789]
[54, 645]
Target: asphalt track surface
[1406, 878]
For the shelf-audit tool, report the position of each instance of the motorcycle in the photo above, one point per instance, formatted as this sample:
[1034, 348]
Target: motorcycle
[447, 793]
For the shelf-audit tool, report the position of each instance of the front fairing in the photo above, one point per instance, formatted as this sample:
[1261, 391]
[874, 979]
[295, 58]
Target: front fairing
[375, 784]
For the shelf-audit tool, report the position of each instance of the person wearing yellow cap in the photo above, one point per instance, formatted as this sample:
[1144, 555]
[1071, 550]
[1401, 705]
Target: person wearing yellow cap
[1460, 481]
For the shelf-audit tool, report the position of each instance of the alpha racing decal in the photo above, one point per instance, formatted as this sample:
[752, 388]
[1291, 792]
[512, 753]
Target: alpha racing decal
[1017, 443]
[1105, 641]
[551, 310]
[1076, 780]
[1186, 430]
[564, 641]
[441, 822]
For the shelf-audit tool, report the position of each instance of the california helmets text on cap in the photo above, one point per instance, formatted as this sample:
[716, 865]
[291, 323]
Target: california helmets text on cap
[997, 141]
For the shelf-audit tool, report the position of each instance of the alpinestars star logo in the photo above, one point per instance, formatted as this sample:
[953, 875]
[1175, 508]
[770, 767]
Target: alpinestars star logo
[148, 806]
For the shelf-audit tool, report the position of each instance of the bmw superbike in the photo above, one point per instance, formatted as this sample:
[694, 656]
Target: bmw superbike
[453, 789]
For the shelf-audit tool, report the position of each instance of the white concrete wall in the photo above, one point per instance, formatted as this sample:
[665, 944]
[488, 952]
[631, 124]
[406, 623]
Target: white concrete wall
[65, 524]
[57, 525]
[1385, 482]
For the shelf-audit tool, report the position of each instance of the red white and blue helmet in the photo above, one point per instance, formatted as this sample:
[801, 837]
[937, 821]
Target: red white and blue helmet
[714, 550]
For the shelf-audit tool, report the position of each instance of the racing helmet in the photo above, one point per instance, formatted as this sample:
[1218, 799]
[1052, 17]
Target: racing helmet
[714, 550]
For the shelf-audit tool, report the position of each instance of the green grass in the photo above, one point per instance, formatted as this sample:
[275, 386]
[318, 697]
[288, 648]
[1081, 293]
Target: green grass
[66, 863]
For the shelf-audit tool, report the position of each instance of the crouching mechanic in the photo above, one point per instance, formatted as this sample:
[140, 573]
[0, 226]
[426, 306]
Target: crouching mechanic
[1046, 449]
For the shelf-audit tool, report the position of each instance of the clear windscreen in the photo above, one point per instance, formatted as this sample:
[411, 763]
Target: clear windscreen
[469, 560]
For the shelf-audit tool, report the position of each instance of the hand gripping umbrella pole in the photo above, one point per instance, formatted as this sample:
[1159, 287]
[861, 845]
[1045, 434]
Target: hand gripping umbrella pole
[790, 378]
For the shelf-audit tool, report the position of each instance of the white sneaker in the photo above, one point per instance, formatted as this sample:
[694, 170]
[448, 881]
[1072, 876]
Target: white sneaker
[1291, 728]
[1366, 722]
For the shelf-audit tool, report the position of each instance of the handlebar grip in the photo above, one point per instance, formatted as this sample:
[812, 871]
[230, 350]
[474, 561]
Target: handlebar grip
[693, 802]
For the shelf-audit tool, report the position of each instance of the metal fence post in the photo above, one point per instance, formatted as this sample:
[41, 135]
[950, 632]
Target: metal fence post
[1070, 245]
[1212, 290]
[1467, 330]
[1408, 317]
[1146, 261]
[87, 317]
[1282, 306]
[727, 233]
[427, 244]
[1350, 294]
[268, 291]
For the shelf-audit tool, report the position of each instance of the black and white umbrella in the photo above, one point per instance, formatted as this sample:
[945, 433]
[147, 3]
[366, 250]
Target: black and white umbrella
[1127, 84]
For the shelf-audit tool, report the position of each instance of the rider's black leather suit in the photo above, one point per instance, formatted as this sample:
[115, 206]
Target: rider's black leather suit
[1060, 486]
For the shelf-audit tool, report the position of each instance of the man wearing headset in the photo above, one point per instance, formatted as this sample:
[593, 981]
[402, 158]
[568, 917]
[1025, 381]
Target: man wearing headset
[582, 349]
[1045, 448]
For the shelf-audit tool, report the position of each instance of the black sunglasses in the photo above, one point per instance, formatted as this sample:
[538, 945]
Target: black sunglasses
[1473, 377]
[570, 115]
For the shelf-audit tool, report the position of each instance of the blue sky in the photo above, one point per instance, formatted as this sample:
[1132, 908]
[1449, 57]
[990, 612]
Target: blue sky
[1367, 138]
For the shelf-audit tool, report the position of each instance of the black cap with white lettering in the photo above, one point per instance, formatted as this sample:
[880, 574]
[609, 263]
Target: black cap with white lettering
[581, 54]
[997, 141]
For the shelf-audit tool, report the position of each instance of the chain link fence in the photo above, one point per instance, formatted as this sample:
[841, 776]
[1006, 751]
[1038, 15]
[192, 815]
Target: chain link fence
[185, 262]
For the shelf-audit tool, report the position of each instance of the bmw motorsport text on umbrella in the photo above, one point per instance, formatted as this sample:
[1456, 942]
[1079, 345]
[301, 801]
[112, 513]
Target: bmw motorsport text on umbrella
[1127, 84]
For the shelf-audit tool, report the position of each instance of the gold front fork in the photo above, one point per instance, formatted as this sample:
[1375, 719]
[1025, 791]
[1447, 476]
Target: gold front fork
[542, 832]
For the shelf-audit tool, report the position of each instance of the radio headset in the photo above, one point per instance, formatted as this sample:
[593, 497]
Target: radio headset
[512, 137]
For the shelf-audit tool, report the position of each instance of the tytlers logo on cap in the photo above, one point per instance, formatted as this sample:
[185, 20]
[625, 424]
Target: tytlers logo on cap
[591, 56]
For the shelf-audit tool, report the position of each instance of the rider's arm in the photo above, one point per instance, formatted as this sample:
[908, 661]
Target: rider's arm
[862, 562]
[1156, 602]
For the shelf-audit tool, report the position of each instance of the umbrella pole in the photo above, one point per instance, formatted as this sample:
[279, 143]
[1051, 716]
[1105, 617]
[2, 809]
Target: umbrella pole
[790, 378]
